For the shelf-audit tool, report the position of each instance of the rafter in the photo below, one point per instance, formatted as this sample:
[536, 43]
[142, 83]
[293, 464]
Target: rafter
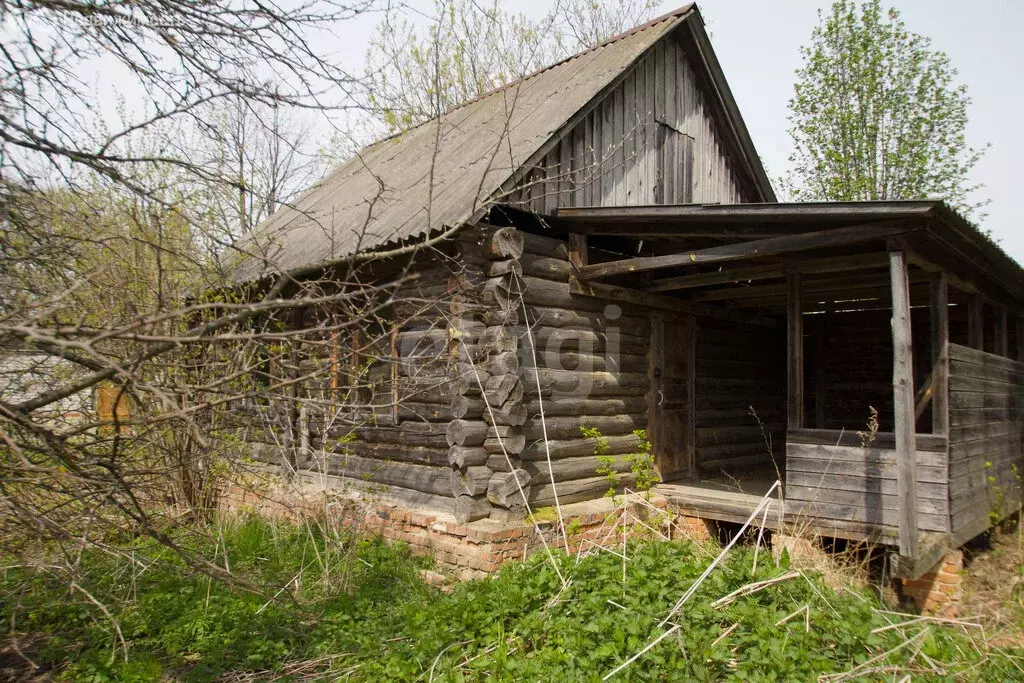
[768, 272]
[772, 246]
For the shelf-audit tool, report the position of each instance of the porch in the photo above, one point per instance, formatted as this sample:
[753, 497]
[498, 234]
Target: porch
[868, 354]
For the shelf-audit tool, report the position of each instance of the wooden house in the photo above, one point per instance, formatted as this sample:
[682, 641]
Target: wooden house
[599, 244]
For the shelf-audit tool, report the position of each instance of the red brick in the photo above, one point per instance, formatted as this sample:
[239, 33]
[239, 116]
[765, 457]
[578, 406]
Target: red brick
[421, 518]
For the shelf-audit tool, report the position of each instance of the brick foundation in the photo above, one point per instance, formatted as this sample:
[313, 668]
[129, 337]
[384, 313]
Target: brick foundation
[696, 529]
[468, 550]
[801, 550]
[937, 591]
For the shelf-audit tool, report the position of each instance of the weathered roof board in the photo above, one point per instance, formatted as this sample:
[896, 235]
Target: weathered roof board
[438, 174]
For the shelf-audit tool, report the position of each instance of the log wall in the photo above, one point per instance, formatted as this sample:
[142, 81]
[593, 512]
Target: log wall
[378, 407]
[986, 449]
[583, 363]
[739, 368]
[651, 140]
[856, 486]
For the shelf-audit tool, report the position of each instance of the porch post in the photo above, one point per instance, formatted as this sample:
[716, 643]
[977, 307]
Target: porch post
[1002, 322]
[903, 403]
[1020, 336]
[795, 347]
[940, 354]
[577, 250]
[976, 322]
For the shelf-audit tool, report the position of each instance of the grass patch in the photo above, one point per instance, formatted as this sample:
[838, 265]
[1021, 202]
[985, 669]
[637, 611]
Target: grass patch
[351, 607]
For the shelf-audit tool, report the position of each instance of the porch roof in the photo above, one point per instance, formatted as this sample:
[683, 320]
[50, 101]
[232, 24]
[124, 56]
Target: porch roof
[704, 245]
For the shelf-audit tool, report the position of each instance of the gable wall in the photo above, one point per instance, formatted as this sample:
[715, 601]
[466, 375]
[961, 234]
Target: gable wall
[651, 140]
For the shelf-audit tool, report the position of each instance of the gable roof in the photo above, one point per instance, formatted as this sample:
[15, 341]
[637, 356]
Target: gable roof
[442, 173]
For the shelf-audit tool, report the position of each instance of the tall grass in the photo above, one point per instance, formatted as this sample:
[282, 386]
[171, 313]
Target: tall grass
[356, 609]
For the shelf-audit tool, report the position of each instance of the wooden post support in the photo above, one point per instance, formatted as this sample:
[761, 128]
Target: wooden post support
[820, 350]
[903, 402]
[795, 346]
[395, 360]
[577, 251]
[1020, 336]
[1002, 346]
[976, 322]
[940, 354]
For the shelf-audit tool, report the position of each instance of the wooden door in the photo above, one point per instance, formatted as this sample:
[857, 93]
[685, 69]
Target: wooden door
[672, 368]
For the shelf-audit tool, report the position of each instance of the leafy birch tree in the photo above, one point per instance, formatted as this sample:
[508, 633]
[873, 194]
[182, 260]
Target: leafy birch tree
[877, 113]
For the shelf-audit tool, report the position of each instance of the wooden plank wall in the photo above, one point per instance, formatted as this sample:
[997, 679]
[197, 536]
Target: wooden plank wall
[986, 438]
[651, 140]
[856, 485]
[739, 367]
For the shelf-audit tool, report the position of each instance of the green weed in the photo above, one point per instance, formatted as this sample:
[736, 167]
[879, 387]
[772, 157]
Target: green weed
[357, 608]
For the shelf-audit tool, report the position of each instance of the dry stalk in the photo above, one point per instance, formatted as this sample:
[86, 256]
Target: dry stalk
[725, 634]
[914, 619]
[519, 485]
[441, 654]
[638, 655]
[752, 588]
[757, 546]
[543, 420]
[707, 572]
[805, 610]
[865, 667]
[695, 585]
[106, 612]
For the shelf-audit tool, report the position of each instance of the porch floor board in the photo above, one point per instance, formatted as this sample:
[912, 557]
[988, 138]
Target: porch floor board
[723, 498]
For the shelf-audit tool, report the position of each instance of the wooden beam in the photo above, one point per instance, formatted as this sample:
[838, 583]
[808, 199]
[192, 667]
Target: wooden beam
[976, 322]
[916, 258]
[1020, 337]
[795, 352]
[940, 354]
[1002, 344]
[781, 212]
[903, 403]
[831, 265]
[665, 303]
[577, 250]
[820, 348]
[772, 246]
[666, 229]
[808, 287]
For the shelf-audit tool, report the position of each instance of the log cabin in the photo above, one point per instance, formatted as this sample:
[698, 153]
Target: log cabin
[598, 246]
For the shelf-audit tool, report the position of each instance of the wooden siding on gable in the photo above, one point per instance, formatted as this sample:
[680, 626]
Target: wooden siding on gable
[652, 139]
